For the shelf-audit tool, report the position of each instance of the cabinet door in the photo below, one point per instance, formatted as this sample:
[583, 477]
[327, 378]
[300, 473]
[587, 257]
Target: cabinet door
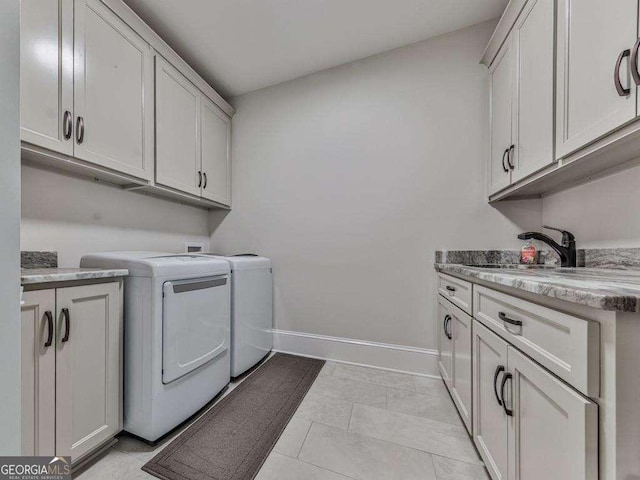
[553, 432]
[215, 129]
[461, 386]
[89, 367]
[533, 40]
[38, 373]
[177, 130]
[113, 95]
[502, 79]
[591, 36]
[489, 419]
[46, 73]
[445, 345]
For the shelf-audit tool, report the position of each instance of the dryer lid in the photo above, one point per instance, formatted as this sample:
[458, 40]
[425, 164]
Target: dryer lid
[244, 261]
[157, 264]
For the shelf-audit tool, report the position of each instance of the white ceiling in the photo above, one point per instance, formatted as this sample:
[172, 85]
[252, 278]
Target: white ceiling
[242, 45]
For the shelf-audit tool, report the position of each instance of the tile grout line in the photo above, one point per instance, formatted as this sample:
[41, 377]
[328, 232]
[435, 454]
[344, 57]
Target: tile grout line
[326, 469]
[364, 435]
[303, 441]
[313, 464]
[353, 404]
[483, 466]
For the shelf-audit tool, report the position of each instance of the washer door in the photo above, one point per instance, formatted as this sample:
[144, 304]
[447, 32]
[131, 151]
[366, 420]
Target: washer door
[195, 324]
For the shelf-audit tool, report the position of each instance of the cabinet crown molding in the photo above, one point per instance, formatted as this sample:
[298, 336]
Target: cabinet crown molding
[502, 30]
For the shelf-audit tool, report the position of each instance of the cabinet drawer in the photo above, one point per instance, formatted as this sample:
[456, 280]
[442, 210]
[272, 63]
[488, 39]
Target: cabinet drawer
[456, 291]
[568, 346]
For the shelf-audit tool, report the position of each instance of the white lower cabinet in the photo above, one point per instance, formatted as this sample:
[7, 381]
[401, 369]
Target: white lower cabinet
[489, 419]
[551, 422]
[445, 345]
[528, 424]
[455, 356]
[71, 369]
[38, 366]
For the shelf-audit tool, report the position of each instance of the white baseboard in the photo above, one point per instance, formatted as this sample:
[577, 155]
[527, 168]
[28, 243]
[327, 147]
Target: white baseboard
[417, 361]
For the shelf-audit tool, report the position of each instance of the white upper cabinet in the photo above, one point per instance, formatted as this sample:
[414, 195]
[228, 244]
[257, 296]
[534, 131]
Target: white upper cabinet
[46, 73]
[502, 87]
[193, 138]
[94, 102]
[522, 98]
[574, 101]
[533, 44]
[215, 128]
[113, 94]
[593, 37]
[177, 130]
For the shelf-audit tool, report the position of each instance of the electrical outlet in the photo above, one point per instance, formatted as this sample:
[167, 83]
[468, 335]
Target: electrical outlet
[193, 247]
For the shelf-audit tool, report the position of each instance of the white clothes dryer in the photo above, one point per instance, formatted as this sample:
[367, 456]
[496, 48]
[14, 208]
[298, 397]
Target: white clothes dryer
[176, 336]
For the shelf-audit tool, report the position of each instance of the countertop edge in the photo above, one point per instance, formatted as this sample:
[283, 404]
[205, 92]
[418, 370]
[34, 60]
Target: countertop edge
[579, 296]
[39, 276]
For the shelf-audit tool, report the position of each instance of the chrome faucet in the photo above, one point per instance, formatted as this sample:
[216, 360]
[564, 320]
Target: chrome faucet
[567, 250]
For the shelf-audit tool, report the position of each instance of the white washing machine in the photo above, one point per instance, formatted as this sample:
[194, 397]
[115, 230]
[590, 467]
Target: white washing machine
[176, 336]
[251, 310]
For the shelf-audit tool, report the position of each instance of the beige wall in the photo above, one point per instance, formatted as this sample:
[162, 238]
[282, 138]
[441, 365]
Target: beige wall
[603, 213]
[75, 216]
[9, 229]
[349, 179]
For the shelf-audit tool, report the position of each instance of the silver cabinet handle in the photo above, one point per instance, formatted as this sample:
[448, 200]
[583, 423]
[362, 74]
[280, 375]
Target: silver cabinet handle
[79, 130]
[623, 92]
[67, 125]
[634, 62]
[205, 179]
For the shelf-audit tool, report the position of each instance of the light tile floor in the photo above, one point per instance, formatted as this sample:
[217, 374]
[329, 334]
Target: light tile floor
[356, 423]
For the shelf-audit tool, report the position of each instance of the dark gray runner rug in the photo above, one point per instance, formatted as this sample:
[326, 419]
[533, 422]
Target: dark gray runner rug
[233, 439]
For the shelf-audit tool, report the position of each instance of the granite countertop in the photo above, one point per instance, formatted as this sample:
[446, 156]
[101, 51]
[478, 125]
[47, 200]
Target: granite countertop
[605, 289]
[31, 276]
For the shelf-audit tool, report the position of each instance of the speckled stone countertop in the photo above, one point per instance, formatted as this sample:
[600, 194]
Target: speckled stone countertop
[605, 289]
[30, 276]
